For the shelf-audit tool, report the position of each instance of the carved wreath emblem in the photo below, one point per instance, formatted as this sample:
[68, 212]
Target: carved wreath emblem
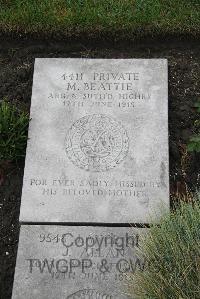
[96, 143]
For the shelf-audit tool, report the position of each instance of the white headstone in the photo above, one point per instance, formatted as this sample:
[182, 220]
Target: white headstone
[98, 141]
[68, 262]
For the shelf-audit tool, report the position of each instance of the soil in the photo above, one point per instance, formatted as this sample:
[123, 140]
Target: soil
[16, 72]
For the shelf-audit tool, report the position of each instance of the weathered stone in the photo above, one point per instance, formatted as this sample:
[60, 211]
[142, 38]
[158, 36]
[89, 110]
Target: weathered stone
[98, 141]
[77, 262]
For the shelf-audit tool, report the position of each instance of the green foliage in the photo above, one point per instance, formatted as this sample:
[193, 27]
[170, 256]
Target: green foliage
[13, 132]
[197, 105]
[194, 143]
[172, 250]
[74, 17]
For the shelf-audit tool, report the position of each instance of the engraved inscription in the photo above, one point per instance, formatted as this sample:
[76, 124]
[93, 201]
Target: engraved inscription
[89, 294]
[97, 143]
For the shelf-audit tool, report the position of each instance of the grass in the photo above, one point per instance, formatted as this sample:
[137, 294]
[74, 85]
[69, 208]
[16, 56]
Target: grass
[96, 17]
[13, 132]
[194, 143]
[173, 253]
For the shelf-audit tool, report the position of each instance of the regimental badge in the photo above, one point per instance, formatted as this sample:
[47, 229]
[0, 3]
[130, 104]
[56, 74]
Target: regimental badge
[97, 143]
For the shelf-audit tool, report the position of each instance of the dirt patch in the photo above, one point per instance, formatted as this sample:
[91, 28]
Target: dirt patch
[10, 195]
[16, 71]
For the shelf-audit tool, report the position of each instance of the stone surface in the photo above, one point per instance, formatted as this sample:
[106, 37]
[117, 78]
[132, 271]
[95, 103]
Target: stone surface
[66, 262]
[98, 141]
